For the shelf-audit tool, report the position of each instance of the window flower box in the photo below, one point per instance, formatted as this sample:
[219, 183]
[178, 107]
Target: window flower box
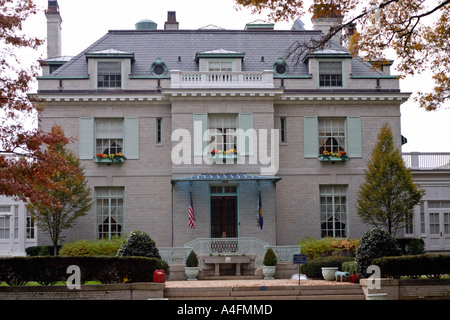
[333, 156]
[231, 153]
[110, 158]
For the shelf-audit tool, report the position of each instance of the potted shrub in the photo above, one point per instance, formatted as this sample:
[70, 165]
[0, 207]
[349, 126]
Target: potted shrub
[191, 268]
[270, 264]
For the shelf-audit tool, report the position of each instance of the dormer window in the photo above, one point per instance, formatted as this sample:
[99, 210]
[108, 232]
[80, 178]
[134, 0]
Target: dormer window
[280, 67]
[330, 73]
[158, 68]
[109, 74]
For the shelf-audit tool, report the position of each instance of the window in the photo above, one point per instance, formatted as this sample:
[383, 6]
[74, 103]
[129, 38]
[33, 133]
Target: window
[333, 211]
[109, 74]
[30, 230]
[220, 66]
[5, 212]
[280, 67]
[283, 132]
[332, 135]
[109, 204]
[109, 136]
[223, 131]
[330, 74]
[158, 130]
[158, 68]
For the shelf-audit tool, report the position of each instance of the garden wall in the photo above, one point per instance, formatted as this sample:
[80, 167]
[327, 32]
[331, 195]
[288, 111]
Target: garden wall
[408, 289]
[129, 291]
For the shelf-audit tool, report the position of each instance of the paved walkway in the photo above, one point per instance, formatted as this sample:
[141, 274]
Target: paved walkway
[250, 283]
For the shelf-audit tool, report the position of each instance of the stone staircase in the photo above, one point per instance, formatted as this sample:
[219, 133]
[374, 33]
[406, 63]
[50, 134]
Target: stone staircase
[294, 292]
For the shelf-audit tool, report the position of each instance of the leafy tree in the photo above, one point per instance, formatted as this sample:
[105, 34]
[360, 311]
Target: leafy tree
[72, 196]
[417, 31]
[25, 161]
[388, 195]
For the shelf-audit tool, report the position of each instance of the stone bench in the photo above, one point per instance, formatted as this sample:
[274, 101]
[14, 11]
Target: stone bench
[218, 260]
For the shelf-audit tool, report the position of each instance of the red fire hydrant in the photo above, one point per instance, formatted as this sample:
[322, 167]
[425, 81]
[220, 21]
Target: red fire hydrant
[159, 276]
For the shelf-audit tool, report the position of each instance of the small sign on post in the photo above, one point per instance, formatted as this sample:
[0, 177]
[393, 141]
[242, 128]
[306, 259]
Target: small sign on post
[299, 259]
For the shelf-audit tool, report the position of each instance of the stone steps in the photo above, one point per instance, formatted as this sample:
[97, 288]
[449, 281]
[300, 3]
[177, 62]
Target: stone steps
[338, 292]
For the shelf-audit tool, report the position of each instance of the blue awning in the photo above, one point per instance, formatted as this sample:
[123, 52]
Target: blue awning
[226, 177]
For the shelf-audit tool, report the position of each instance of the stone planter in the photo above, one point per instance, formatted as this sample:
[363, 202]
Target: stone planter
[269, 272]
[328, 273]
[191, 272]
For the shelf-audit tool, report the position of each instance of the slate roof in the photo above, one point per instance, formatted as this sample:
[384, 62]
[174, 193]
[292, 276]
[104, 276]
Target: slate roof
[169, 45]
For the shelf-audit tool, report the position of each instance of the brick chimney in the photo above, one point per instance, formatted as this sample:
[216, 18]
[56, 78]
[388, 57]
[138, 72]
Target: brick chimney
[171, 23]
[53, 30]
[326, 17]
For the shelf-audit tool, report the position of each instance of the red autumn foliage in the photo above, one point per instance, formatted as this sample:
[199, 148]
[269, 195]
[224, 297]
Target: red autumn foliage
[26, 158]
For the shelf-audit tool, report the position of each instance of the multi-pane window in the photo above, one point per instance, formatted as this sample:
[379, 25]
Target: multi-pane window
[330, 74]
[223, 130]
[220, 66]
[158, 130]
[109, 206]
[30, 229]
[5, 212]
[333, 211]
[331, 135]
[283, 130]
[109, 136]
[109, 74]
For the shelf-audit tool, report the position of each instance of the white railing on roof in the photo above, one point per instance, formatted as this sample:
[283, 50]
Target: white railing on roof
[427, 160]
[209, 79]
[245, 245]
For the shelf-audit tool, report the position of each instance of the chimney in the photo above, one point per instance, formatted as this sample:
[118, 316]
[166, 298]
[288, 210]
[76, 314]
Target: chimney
[326, 17]
[53, 30]
[171, 23]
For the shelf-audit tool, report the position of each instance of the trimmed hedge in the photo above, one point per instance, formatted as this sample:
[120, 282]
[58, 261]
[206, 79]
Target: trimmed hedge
[102, 247]
[313, 268]
[414, 266]
[49, 270]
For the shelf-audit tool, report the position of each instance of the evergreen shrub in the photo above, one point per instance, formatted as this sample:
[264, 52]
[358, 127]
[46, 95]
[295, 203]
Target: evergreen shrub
[139, 244]
[414, 266]
[375, 243]
[270, 258]
[192, 260]
[49, 270]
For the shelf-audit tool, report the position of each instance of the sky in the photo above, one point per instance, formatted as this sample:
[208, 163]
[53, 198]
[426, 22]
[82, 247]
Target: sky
[85, 21]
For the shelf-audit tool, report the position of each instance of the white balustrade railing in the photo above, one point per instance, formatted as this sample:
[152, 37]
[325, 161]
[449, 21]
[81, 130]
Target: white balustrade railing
[239, 246]
[210, 79]
[427, 160]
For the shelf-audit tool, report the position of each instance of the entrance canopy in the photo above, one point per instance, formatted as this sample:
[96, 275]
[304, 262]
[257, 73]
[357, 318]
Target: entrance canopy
[225, 177]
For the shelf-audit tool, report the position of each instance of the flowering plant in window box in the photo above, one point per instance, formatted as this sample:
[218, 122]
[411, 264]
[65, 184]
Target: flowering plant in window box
[333, 156]
[230, 153]
[114, 157]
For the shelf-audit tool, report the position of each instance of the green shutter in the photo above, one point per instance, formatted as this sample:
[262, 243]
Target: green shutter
[354, 149]
[245, 140]
[199, 144]
[310, 137]
[86, 138]
[131, 138]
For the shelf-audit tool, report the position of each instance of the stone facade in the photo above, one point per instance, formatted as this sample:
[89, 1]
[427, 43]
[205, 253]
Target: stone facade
[248, 89]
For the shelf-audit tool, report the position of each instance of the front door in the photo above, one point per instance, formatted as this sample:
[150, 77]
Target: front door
[224, 217]
[439, 229]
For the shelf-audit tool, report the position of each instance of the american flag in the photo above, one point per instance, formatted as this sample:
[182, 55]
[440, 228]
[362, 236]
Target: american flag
[191, 212]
